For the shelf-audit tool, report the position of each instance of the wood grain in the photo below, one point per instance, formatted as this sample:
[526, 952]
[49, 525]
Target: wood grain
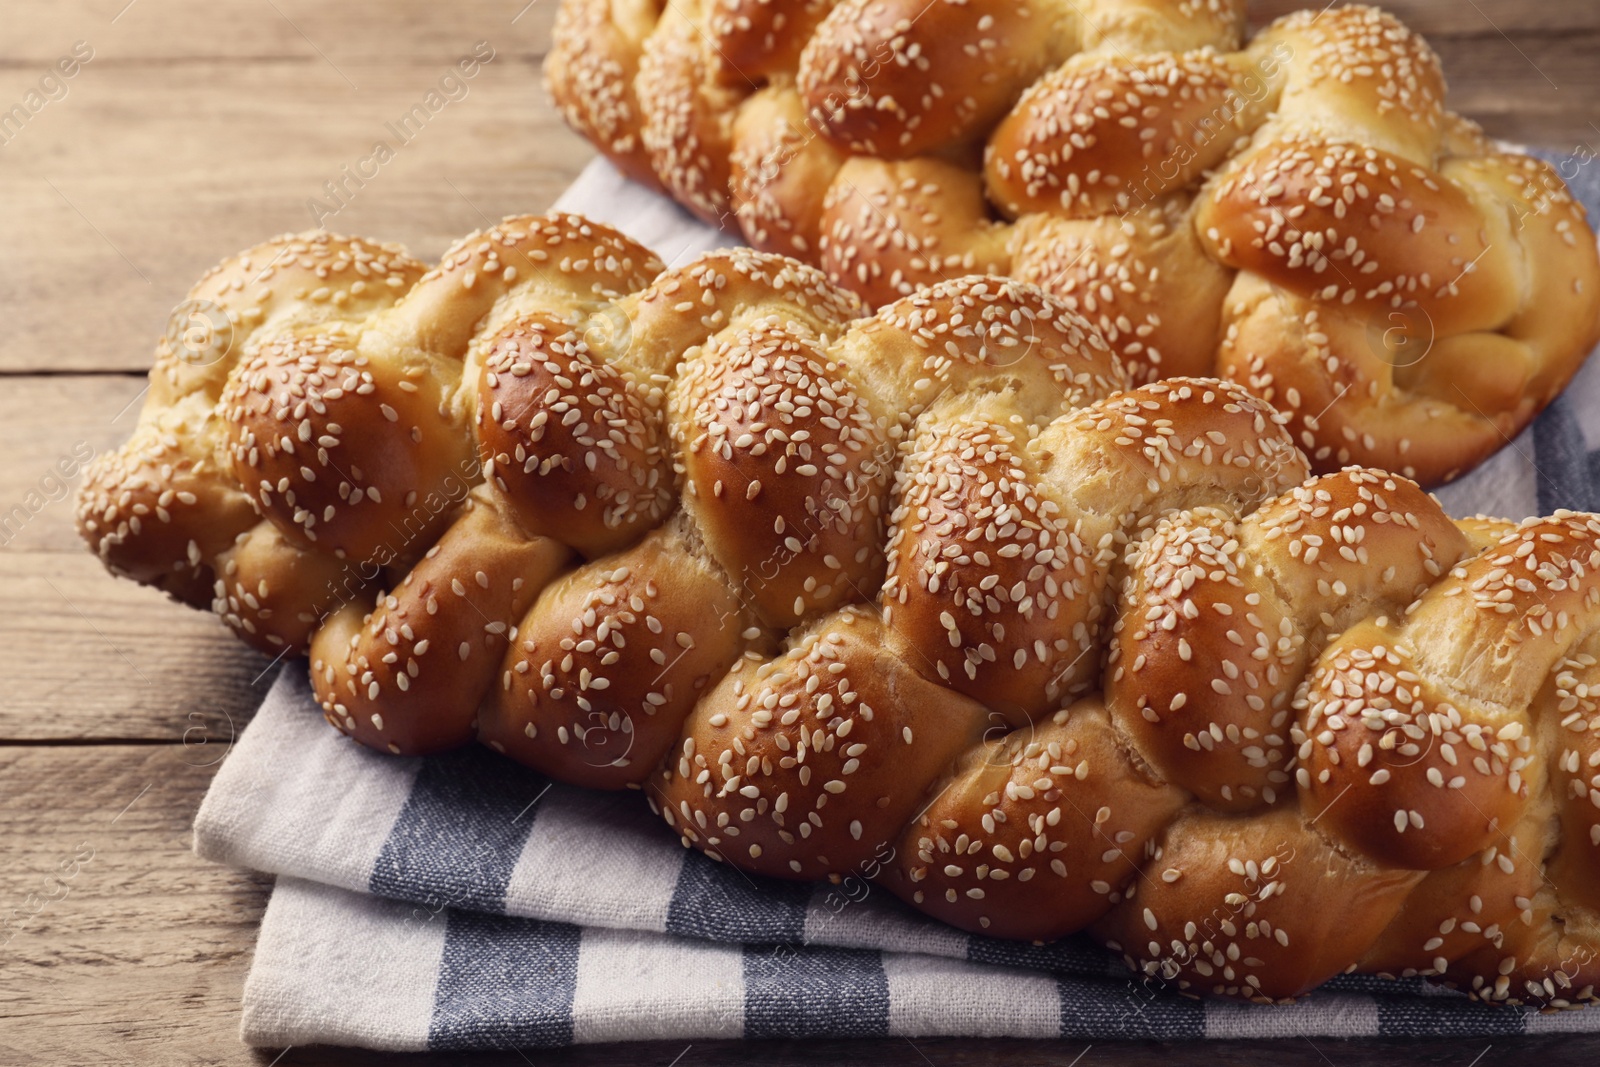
[120, 945]
[48, 423]
[1465, 18]
[196, 130]
[153, 32]
[119, 196]
[91, 658]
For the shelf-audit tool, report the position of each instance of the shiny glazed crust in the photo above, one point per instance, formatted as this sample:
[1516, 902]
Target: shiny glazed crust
[1297, 213]
[934, 592]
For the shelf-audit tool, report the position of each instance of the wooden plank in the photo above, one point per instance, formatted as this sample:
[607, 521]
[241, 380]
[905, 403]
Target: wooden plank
[1537, 94]
[1461, 18]
[198, 130]
[121, 195]
[48, 425]
[137, 950]
[153, 30]
[89, 657]
[86, 655]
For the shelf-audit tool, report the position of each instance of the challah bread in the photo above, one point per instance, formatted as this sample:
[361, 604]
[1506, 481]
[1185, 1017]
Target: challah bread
[1297, 213]
[932, 593]
[166, 509]
[602, 101]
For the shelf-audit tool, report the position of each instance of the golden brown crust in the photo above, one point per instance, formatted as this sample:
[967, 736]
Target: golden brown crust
[1142, 277]
[1432, 715]
[889, 228]
[1545, 958]
[795, 766]
[930, 596]
[372, 670]
[1079, 144]
[981, 561]
[125, 513]
[1298, 213]
[1239, 907]
[1573, 738]
[1353, 225]
[299, 439]
[274, 592]
[561, 706]
[1223, 619]
[162, 508]
[590, 73]
[568, 438]
[783, 471]
[320, 438]
[899, 78]
[1037, 834]
[780, 173]
[688, 110]
[1457, 912]
[1331, 374]
[292, 281]
[762, 38]
[682, 307]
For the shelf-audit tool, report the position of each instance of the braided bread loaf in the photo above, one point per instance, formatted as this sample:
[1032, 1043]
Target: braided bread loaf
[1300, 215]
[932, 594]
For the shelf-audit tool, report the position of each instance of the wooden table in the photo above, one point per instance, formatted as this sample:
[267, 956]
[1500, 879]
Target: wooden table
[193, 130]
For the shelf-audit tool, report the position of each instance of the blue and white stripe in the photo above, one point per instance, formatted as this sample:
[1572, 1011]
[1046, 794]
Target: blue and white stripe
[463, 902]
[337, 967]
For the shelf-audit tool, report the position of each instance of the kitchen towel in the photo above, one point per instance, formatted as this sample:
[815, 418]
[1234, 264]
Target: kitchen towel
[463, 902]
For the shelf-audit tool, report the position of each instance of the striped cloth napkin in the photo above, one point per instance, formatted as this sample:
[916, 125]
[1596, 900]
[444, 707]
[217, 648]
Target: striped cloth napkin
[463, 902]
